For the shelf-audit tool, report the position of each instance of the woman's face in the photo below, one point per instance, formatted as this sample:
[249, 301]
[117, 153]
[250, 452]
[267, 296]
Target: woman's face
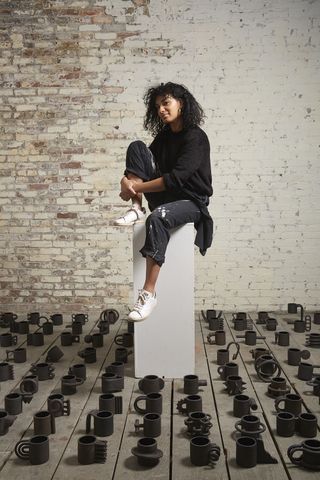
[169, 109]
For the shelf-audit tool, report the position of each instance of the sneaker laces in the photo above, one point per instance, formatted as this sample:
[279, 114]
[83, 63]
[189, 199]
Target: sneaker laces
[142, 298]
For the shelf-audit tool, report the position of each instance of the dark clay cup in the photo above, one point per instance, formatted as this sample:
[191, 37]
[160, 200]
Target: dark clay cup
[7, 339]
[292, 404]
[151, 384]
[228, 369]
[151, 425]
[36, 450]
[295, 355]
[191, 403]
[13, 403]
[246, 452]
[286, 423]
[57, 405]
[115, 367]
[201, 451]
[110, 403]
[111, 382]
[79, 370]
[91, 450]
[153, 403]
[307, 425]
[67, 339]
[124, 340]
[57, 319]
[18, 355]
[218, 337]
[44, 423]
[309, 454]
[102, 423]
[242, 405]
[282, 338]
[191, 384]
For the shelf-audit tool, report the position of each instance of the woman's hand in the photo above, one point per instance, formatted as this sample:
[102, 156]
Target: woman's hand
[127, 189]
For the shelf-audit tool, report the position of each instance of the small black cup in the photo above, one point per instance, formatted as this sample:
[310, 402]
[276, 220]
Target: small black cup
[110, 403]
[102, 423]
[153, 403]
[191, 384]
[36, 450]
[18, 355]
[151, 425]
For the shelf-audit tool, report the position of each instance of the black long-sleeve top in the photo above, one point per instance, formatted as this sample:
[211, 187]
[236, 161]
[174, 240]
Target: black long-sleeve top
[183, 159]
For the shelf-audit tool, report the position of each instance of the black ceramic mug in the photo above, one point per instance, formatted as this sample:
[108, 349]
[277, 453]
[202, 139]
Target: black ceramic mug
[54, 354]
[23, 327]
[69, 384]
[191, 384]
[67, 339]
[286, 424]
[151, 384]
[310, 454]
[111, 382]
[246, 452]
[115, 367]
[6, 371]
[305, 371]
[6, 421]
[203, 452]
[79, 370]
[295, 355]
[36, 450]
[191, 403]
[80, 317]
[7, 339]
[36, 339]
[96, 339]
[57, 319]
[307, 425]
[124, 340]
[44, 423]
[110, 403]
[151, 425]
[121, 354]
[102, 423]
[43, 370]
[282, 338]
[29, 384]
[89, 355]
[57, 405]
[18, 355]
[91, 450]
[153, 403]
[13, 403]
[228, 369]
[217, 338]
[242, 405]
[292, 404]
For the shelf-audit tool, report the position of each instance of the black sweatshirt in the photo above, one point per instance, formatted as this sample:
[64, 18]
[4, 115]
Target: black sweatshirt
[183, 159]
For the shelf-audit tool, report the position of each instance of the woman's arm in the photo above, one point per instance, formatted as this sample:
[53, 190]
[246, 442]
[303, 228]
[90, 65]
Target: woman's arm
[156, 185]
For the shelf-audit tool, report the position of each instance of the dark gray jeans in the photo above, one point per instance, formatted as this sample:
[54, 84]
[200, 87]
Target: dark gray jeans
[168, 209]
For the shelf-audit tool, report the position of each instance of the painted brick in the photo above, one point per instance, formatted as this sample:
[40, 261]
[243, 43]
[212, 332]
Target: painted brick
[72, 101]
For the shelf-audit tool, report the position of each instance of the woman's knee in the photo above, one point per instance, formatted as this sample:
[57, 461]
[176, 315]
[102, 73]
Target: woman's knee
[136, 146]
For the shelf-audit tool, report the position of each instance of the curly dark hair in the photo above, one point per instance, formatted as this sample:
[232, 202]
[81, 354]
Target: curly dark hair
[192, 112]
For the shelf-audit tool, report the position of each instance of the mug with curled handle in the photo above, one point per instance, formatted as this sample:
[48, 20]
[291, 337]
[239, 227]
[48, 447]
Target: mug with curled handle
[36, 450]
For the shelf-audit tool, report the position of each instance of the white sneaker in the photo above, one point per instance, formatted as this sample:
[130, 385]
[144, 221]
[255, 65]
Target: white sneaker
[144, 306]
[131, 217]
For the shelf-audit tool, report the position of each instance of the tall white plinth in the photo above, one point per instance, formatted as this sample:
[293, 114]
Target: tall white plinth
[165, 341]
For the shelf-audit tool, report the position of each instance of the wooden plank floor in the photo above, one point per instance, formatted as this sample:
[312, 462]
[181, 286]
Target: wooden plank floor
[174, 443]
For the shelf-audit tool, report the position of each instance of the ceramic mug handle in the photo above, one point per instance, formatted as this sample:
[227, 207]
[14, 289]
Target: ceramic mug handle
[292, 450]
[136, 406]
[22, 449]
[276, 404]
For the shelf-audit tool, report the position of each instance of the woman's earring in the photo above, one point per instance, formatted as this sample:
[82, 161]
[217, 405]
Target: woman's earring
[180, 111]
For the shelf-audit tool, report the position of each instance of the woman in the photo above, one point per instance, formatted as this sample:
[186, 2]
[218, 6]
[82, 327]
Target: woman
[174, 174]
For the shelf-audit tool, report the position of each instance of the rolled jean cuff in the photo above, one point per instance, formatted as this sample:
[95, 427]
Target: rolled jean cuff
[158, 258]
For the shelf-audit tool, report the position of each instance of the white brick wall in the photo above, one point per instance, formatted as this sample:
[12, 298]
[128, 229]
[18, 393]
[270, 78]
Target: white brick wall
[73, 94]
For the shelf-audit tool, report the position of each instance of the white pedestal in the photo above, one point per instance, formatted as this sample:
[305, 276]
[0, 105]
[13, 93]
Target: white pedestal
[165, 341]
